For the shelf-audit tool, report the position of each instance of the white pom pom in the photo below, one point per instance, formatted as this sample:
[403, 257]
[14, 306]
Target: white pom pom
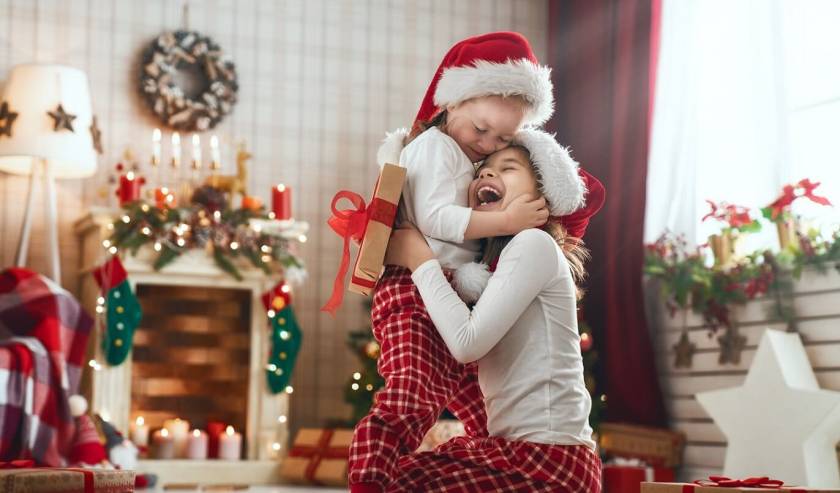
[390, 149]
[78, 405]
[124, 455]
[470, 281]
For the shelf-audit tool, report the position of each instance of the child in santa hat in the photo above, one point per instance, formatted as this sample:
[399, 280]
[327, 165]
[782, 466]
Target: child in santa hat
[522, 331]
[485, 89]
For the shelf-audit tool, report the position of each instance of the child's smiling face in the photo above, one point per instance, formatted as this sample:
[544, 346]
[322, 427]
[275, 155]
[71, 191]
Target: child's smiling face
[504, 176]
[482, 126]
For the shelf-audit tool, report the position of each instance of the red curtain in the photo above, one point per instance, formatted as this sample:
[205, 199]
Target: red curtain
[600, 52]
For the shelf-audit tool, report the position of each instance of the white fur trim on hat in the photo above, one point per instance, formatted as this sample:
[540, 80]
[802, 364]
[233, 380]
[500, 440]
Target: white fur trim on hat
[557, 171]
[78, 405]
[391, 147]
[513, 78]
[470, 280]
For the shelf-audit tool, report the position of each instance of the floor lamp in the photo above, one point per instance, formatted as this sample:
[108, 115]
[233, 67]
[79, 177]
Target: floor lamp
[47, 131]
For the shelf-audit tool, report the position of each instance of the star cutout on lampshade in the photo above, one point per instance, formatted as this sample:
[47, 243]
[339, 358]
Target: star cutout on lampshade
[7, 118]
[96, 135]
[62, 119]
[684, 350]
[779, 423]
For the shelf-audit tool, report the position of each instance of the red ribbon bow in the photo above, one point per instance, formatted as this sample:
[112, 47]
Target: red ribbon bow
[352, 224]
[724, 482]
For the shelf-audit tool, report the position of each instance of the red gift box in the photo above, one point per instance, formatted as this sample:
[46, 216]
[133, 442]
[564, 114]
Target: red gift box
[629, 479]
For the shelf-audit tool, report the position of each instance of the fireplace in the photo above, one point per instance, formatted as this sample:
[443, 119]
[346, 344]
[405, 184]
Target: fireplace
[199, 354]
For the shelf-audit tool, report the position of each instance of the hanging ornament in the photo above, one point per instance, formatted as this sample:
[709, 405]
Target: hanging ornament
[372, 350]
[731, 345]
[96, 136]
[684, 350]
[61, 119]
[121, 308]
[285, 337]
[7, 118]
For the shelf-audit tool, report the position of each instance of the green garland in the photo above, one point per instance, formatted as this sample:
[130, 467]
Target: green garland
[686, 282]
[225, 233]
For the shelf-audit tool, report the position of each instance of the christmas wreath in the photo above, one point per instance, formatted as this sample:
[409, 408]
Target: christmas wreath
[187, 81]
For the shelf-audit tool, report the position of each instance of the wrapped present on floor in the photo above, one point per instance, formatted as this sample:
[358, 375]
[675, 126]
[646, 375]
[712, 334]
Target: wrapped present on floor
[370, 225]
[440, 433]
[626, 475]
[655, 446]
[721, 484]
[17, 479]
[318, 456]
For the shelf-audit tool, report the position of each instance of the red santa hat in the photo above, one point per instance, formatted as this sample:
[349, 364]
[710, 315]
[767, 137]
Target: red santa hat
[493, 64]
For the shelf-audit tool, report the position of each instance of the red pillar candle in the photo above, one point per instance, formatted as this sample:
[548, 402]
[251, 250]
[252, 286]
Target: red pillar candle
[281, 202]
[129, 189]
[214, 429]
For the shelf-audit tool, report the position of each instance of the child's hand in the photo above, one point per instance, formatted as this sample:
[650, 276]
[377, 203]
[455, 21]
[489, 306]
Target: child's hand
[525, 212]
[408, 248]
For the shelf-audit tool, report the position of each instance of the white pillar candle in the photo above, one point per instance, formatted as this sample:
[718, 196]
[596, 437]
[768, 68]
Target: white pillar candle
[156, 138]
[140, 432]
[179, 429]
[196, 151]
[197, 445]
[176, 150]
[215, 155]
[230, 444]
[163, 446]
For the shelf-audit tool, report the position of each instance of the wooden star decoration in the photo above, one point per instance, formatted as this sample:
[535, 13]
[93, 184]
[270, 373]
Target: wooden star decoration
[731, 345]
[62, 119]
[7, 118]
[684, 350]
[96, 135]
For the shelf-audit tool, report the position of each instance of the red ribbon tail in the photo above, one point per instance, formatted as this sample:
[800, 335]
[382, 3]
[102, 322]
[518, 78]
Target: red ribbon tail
[338, 286]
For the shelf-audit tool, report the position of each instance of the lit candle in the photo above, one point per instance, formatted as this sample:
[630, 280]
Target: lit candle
[230, 444]
[163, 446]
[216, 159]
[214, 431]
[179, 429]
[156, 136]
[129, 188]
[281, 202]
[197, 445]
[196, 151]
[140, 432]
[176, 150]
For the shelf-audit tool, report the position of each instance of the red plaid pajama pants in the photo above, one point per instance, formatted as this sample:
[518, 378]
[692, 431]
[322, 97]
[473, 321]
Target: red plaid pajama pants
[479, 465]
[421, 379]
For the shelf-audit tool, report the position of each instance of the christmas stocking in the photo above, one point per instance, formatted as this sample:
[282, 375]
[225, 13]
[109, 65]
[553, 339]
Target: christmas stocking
[122, 311]
[285, 338]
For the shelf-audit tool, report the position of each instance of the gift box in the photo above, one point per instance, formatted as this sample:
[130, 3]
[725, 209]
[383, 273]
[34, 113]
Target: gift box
[708, 487]
[656, 447]
[628, 479]
[442, 431]
[65, 480]
[369, 225]
[318, 456]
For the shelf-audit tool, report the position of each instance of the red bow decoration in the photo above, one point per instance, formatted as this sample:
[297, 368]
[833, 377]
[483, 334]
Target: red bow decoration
[804, 188]
[352, 224]
[724, 482]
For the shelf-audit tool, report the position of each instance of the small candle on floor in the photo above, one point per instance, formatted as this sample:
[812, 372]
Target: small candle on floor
[163, 446]
[140, 432]
[230, 444]
[197, 445]
[179, 429]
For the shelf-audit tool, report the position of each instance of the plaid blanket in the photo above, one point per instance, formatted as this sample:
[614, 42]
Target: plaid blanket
[43, 341]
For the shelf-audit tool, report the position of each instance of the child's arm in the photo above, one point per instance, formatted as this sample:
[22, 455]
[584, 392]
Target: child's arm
[522, 213]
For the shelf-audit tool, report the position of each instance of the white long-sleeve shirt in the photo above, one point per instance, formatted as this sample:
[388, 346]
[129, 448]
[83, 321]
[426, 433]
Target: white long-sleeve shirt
[523, 333]
[435, 197]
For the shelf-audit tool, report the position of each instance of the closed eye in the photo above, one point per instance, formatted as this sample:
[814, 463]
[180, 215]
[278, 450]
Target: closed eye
[480, 130]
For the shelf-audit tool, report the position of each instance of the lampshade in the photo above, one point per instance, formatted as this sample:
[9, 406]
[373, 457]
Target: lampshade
[32, 91]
